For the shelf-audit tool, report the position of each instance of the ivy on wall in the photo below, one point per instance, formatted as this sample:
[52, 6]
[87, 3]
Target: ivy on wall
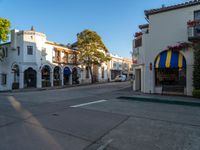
[196, 72]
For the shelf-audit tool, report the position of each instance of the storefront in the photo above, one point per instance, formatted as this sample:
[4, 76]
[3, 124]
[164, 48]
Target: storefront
[46, 76]
[66, 75]
[170, 71]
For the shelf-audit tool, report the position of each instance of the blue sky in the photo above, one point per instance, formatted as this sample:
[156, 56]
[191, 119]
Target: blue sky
[114, 20]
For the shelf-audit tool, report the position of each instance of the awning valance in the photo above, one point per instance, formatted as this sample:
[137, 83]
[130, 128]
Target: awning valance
[170, 59]
[67, 71]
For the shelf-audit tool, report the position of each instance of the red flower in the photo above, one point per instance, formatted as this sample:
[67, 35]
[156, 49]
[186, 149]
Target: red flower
[137, 34]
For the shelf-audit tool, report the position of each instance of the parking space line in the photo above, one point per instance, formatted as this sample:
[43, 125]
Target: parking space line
[85, 104]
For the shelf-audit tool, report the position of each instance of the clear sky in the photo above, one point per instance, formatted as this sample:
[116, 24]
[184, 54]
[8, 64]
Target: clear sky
[114, 20]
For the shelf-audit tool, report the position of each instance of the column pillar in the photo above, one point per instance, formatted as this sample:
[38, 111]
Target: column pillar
[51, 78]
[39, 79]
[21, 80]
[62, 78]
[70, 79]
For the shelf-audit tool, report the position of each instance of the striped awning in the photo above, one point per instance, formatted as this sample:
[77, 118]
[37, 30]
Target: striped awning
[170, 59]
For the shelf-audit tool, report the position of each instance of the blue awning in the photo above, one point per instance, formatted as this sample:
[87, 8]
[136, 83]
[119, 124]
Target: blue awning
[67, 71]
[170, 59]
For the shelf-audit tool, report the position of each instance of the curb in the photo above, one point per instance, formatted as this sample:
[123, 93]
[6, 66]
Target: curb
[52, 88]
[163, 101]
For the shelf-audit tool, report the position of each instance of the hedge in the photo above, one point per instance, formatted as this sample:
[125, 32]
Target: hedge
[196, 93]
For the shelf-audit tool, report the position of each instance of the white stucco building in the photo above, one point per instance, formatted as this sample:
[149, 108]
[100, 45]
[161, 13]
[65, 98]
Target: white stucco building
[162, 56]
[119, 66]
[31, 61]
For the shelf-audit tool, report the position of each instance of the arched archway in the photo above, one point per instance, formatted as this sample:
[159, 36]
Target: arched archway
[46, 76]
[57, 76]
[30, 78]
[170, 69]
[75, 76]
[66, 75]
[15, 70]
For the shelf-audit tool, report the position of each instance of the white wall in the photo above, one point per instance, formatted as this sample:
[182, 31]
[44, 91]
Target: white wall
[167, 29]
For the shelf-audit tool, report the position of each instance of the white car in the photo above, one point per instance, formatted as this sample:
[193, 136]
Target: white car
[120, 78]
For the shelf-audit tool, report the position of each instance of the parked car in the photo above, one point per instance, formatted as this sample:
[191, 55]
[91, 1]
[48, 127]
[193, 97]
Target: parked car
[120, 78]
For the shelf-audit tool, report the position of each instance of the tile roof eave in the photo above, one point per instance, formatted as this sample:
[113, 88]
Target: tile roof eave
[169, 8]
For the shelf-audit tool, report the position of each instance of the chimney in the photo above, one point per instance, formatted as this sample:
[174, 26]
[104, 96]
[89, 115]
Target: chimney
[32, 28]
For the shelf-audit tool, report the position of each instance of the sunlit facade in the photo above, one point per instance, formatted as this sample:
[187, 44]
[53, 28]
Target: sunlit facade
[163, 52]
[32, 61]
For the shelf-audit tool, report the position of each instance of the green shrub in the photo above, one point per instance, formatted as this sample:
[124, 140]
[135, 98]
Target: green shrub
[196, 93]
[196, 72]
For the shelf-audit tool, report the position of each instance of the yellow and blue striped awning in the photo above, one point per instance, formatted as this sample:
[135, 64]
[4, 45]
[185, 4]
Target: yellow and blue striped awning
[170, 59]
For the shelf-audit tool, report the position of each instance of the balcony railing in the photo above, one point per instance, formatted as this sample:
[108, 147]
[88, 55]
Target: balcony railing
[56, 59]
[194, 30]
[138, 40]
[65, 60]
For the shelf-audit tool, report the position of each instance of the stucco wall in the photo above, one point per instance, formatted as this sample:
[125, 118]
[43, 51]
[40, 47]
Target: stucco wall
[166, 29]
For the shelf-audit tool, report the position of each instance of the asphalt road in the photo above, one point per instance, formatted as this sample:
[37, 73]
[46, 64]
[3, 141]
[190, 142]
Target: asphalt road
[92, 118]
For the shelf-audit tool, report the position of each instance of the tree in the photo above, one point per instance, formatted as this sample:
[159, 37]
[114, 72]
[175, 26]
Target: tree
[4, 31]
[92, 50]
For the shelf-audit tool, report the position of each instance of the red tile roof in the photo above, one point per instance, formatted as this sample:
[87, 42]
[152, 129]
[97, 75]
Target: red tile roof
[168, 8]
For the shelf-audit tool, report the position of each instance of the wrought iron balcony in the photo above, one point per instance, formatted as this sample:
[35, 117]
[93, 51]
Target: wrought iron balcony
[194, 30]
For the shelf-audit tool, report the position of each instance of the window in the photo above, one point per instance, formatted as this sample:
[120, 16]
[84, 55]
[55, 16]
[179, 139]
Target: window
[30, 50]
[65, 58]
[3, 79]
[18, 50]
[197, 27]
[114, 64]
[138, 42]
[44, 52]
[197, 15]
[72, 58]
[170, 76]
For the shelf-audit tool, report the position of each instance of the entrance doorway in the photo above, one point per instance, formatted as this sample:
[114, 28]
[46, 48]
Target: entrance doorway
[30, 78]
[46, 76]
[66, 75]
[56, 76]
[15, 84]
[138, 79]
[75, 76]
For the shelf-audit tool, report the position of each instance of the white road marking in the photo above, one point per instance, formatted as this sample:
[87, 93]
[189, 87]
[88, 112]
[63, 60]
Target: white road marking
[85, 104]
